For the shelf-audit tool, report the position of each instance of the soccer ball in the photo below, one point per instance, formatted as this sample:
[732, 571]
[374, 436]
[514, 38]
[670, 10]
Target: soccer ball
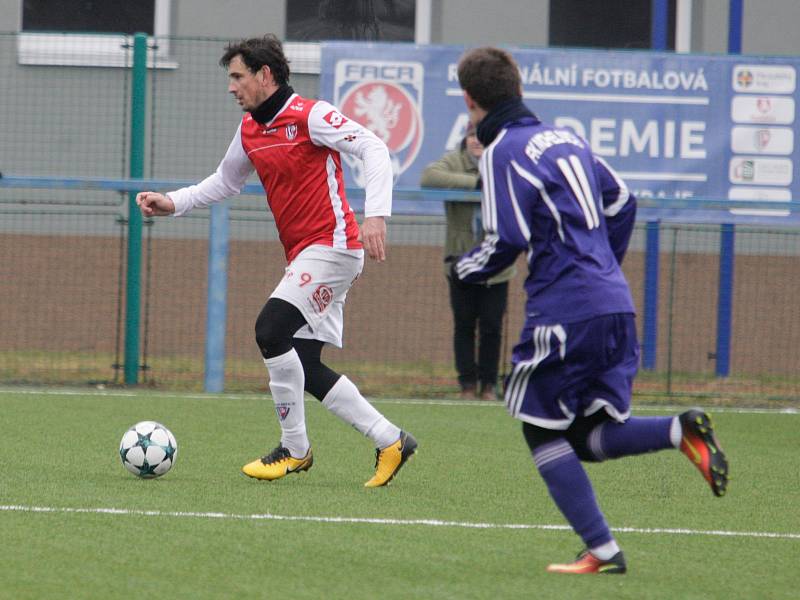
[148, 449]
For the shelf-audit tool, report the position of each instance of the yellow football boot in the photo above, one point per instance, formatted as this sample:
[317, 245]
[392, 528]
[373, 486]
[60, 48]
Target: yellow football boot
[278, 463]
[389, 460]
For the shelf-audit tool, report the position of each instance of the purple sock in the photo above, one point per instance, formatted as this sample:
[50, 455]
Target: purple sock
[636, 436]
[572, 491]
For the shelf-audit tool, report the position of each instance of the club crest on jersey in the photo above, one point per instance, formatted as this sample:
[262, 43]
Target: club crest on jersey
[322, 297]
[291, 131]
[385, 97]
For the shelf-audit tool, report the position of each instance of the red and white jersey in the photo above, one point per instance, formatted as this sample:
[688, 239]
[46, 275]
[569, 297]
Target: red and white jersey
[296, 157]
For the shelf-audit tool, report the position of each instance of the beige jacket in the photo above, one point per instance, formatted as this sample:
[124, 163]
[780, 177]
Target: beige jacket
[455, 170]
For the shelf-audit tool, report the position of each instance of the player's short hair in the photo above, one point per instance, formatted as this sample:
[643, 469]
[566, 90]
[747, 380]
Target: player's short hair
[490, 76]
[257, 52]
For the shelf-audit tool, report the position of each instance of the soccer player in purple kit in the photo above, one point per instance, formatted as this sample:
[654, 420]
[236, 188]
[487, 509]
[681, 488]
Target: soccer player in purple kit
[546, 194]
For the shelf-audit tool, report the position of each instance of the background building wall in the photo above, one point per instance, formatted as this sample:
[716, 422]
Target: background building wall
[710, 26]
[230, 19]
[178, 93]
[478, 22]
[73, 121]
[769, 25]
[10, 11]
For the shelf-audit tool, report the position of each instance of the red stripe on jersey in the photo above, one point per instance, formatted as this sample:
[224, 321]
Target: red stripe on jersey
[304, 182]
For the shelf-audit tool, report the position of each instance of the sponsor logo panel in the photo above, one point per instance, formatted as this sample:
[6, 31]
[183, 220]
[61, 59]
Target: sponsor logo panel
[776, 195]
[762, 140]
[769, 110]
[760, 171]
[761, 194]
[764, 79]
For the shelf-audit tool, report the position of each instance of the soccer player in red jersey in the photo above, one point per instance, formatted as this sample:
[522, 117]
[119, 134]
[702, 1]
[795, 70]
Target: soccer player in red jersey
[294, 145]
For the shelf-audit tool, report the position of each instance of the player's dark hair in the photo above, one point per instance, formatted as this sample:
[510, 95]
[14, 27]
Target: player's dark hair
[257, 52]
[490, 76]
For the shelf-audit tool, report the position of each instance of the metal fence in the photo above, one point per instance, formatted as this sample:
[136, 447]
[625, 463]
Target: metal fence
[63, 277]
[64, 258]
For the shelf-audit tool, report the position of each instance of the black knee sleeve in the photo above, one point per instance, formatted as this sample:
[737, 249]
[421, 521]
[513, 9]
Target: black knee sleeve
[537, 436]
[319, 377]
[578, 435]
[276, 324]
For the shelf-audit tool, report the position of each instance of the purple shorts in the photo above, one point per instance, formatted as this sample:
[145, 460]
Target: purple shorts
[561, 372]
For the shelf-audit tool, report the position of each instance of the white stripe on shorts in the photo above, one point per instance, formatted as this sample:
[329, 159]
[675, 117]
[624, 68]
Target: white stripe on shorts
[518, 382]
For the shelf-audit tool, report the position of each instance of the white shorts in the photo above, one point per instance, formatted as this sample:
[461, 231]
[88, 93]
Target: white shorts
[316, 282]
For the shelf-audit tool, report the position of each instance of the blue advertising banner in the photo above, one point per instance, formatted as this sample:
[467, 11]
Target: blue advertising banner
[673, 126]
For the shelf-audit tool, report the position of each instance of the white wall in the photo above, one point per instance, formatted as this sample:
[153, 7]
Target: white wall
[228, 18]
[481, 22]
[770, 26]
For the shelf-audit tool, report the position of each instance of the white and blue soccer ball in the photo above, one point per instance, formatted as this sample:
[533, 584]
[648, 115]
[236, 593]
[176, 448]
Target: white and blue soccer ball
[148, 449]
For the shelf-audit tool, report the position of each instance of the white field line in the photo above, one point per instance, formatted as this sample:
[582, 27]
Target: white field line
[376, 521]
[404, 401]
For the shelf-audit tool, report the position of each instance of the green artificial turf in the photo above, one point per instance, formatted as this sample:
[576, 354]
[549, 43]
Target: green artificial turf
[206, 531]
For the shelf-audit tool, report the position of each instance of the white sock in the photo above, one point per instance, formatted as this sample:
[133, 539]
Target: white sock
[286, 381]
[676, 432]
[346, 402]
[605, 551]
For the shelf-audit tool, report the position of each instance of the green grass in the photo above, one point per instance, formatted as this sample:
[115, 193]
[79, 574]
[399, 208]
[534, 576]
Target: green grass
[185, 373]
[60, 451]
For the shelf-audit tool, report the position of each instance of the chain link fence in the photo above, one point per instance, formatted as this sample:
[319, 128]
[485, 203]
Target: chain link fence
[63, 249]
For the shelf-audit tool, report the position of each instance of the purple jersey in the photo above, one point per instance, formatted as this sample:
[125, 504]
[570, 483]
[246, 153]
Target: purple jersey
[545, 193]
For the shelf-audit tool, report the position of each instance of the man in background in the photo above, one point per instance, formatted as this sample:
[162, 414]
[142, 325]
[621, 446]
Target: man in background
[482, 305]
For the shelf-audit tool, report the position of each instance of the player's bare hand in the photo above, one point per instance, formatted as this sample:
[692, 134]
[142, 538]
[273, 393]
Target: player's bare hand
[153, 204]
[373, 236]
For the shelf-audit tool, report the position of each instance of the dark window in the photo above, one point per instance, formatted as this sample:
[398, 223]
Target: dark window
[605, 23]
[102, 16]
[317, 20]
